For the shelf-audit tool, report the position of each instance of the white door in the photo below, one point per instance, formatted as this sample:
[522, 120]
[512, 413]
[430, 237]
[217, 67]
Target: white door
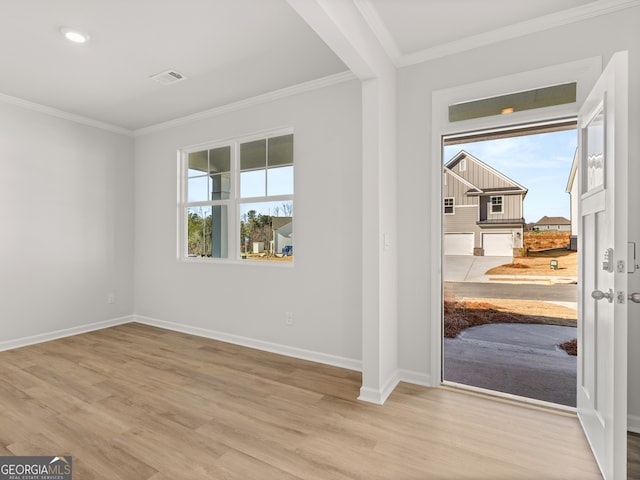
[602, 297]
[458, 244]
[497, 244]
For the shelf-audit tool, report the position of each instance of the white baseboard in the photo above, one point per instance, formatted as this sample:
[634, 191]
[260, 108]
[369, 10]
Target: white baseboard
[415, 378]
[66, 332]
[379, 396]
[295, 352]
[633, 423]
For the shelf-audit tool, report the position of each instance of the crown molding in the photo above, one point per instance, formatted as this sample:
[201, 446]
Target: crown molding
[54, 112]
[535, 25]
[250, 102]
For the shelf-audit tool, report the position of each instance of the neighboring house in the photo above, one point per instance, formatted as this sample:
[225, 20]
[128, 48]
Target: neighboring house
[553, 223]
[572, 190]
[482, 209]
[282, 232]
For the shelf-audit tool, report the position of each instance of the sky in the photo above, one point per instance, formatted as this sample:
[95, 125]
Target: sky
[541, 163]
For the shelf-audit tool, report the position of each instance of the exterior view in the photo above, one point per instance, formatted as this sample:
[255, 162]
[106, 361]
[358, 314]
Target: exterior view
[482, 209]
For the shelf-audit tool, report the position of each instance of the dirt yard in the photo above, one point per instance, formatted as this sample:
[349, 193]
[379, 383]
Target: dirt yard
[545, 240]
[460, 314]
[538, 263]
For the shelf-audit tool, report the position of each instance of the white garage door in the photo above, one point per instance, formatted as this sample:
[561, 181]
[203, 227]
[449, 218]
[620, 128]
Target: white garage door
[458, 244]
[497, 244]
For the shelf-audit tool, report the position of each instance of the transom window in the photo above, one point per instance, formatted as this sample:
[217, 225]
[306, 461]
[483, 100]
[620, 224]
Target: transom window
[496, 204]
[237, 199]
[448, 206]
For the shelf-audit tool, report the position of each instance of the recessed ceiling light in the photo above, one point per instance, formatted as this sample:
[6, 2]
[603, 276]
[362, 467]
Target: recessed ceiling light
[75, 36]
[507, 111]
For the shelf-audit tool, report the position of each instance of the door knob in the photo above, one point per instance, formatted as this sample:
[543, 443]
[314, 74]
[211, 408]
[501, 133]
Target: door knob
[634, 297]
[599, 295]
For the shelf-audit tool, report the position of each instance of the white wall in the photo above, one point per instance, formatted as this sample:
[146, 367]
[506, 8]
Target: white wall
[600, 36]
[323, 289]
[66, 204]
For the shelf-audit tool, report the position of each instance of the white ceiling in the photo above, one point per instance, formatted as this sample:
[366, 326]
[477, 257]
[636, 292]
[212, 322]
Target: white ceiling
[230, 50]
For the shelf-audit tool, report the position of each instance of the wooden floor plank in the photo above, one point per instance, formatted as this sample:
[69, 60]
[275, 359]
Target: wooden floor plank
[141, 403]
[633, 455]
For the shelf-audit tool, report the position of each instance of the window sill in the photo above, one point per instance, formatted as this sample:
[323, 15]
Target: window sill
[227, 261]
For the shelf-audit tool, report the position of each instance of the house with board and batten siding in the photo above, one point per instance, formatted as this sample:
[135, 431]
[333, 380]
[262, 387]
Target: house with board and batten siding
[482, 209]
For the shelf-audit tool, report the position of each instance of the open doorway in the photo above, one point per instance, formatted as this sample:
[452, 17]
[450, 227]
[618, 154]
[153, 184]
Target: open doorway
[510, 261]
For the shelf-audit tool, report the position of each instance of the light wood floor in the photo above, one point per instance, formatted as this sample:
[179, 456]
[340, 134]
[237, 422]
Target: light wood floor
[633, 455]
[135, 402]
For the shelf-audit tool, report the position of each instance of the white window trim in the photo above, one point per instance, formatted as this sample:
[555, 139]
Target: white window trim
[453, 205]
[233, 203]
[491, 204]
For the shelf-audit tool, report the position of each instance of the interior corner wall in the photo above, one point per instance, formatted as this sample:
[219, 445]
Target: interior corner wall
[66, 204]
[248, 301]
[600, 36]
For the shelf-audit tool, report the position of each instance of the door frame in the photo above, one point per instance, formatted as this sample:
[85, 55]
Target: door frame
[584, 72]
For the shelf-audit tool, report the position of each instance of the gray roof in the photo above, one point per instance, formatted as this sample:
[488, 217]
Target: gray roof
[279, 222]
[553, 221]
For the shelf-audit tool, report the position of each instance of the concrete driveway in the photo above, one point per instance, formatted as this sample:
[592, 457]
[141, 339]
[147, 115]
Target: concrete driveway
[512, 291]
[519, 359]
[468, 268]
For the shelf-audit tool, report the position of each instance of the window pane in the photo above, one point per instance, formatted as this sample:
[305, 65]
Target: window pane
[198, 163]
[199, 231]
[220, 160]
[207, 231]
[281, 150]
[280, 181]
[253, 155]
[252, 183]
[220, 186]
[198, 189]
[266, 231]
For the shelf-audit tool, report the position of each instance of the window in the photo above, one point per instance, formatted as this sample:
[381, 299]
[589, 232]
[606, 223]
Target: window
[237, 199]
[448, 206]
[496, 204]
[514, 102]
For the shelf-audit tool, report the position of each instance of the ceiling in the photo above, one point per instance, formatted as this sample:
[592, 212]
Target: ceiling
[229, 50]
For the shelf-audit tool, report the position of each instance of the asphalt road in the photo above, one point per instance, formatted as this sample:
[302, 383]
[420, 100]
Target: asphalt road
[549, 293]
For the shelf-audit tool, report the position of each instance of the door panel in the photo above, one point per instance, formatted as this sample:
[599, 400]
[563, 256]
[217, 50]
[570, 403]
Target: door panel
[458, 244]
[497, 244]
[602, 302]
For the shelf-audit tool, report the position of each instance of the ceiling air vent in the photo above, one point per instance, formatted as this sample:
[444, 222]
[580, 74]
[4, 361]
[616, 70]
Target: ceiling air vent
[168, 77]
